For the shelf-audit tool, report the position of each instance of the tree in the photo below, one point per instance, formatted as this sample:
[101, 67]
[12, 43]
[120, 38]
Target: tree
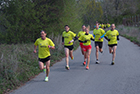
[115, 10]
[92, 11]
[24, 19]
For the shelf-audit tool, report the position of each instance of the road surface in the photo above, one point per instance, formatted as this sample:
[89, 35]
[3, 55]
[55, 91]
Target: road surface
[103, 78]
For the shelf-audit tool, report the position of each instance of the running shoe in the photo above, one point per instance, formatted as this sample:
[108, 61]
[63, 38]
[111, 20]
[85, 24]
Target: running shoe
[87, 68]
[112, 52]
[67, 67]
[44, 70]
[97, 62]
[72, 57]
[46, 79]
[84, 63]
[112, 63]
[101, 51]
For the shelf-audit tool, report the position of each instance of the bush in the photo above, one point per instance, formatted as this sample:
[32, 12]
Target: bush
[23, 20]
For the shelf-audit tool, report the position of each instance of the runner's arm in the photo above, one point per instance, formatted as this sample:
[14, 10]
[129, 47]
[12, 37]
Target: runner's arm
[35, 48]
[62, 39]
[51, 47]
[92, 39]
[107, 38]
[118, 37]
[103, 35]
[83, 41]
[74, 39]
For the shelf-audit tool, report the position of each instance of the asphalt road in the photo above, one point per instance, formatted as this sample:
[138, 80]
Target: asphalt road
[103, 78]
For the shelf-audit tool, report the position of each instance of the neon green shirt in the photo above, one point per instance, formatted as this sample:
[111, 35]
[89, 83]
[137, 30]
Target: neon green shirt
[68, 36]
[102, 25]
[81, 33]
[98, 33]
[108, 25]
[86, 37]
[112, 35]
[43, 47]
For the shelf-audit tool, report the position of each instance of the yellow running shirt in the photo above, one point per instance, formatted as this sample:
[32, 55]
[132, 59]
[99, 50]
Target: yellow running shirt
[102, 25]
[112, 35]
[86, 38]
[68, 36]
[108, 25]
[43, 47]
[97, 34]
[81, 33]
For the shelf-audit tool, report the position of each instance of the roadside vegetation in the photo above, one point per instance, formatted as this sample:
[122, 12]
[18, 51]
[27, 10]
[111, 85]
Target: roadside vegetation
[22, 20]
[18, 63]
[131, 33]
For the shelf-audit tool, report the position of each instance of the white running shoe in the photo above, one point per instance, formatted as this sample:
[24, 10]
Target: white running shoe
[46, 79]
[97, 62]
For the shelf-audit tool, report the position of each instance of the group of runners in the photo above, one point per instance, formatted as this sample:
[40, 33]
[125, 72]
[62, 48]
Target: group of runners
[84, 37]
[103, 26]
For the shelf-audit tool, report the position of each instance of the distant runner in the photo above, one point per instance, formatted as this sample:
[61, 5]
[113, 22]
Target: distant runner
[102, 26]
[68, 37]
[44, 55]
[98, 34]
[86, 40]
[108, 25]
[80, 34]
[112, 36]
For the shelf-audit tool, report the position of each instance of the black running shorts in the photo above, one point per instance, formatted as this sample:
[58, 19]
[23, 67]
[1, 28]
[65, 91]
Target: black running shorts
[69, 47]
[44, 60]
[100, 44]
[112, 45]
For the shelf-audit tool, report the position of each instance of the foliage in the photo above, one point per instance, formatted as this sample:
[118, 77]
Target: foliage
[23, 20]
[15, 65]
[18, 63]
[132, 33]
[115, 10]
[91, 11]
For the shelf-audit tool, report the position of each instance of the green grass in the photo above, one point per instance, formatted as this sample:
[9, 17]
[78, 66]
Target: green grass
[132, 39]
[131, 33]
[18, 63]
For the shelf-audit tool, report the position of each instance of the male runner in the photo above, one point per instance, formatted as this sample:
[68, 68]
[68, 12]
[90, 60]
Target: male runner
[112, 36]
[79, 35]
[98, 34]
[44, 55]
[68, 37]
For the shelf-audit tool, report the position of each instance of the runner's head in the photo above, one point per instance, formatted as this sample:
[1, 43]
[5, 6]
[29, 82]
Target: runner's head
[83, 27]
[97, 25]
[113, 27]
[87, 30]
[43, 34]
[67, 28]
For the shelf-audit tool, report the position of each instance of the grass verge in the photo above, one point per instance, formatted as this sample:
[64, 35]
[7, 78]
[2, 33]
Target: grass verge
[131, 33]
[18, 63]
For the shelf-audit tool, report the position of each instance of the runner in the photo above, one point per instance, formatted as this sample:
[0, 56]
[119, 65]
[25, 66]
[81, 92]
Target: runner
[105, 26]
[86, 40]
[80, 34]
[102, 26]
[112, 36]
[108, 25]
[68, 37]
[98, 34]
[44, 55]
